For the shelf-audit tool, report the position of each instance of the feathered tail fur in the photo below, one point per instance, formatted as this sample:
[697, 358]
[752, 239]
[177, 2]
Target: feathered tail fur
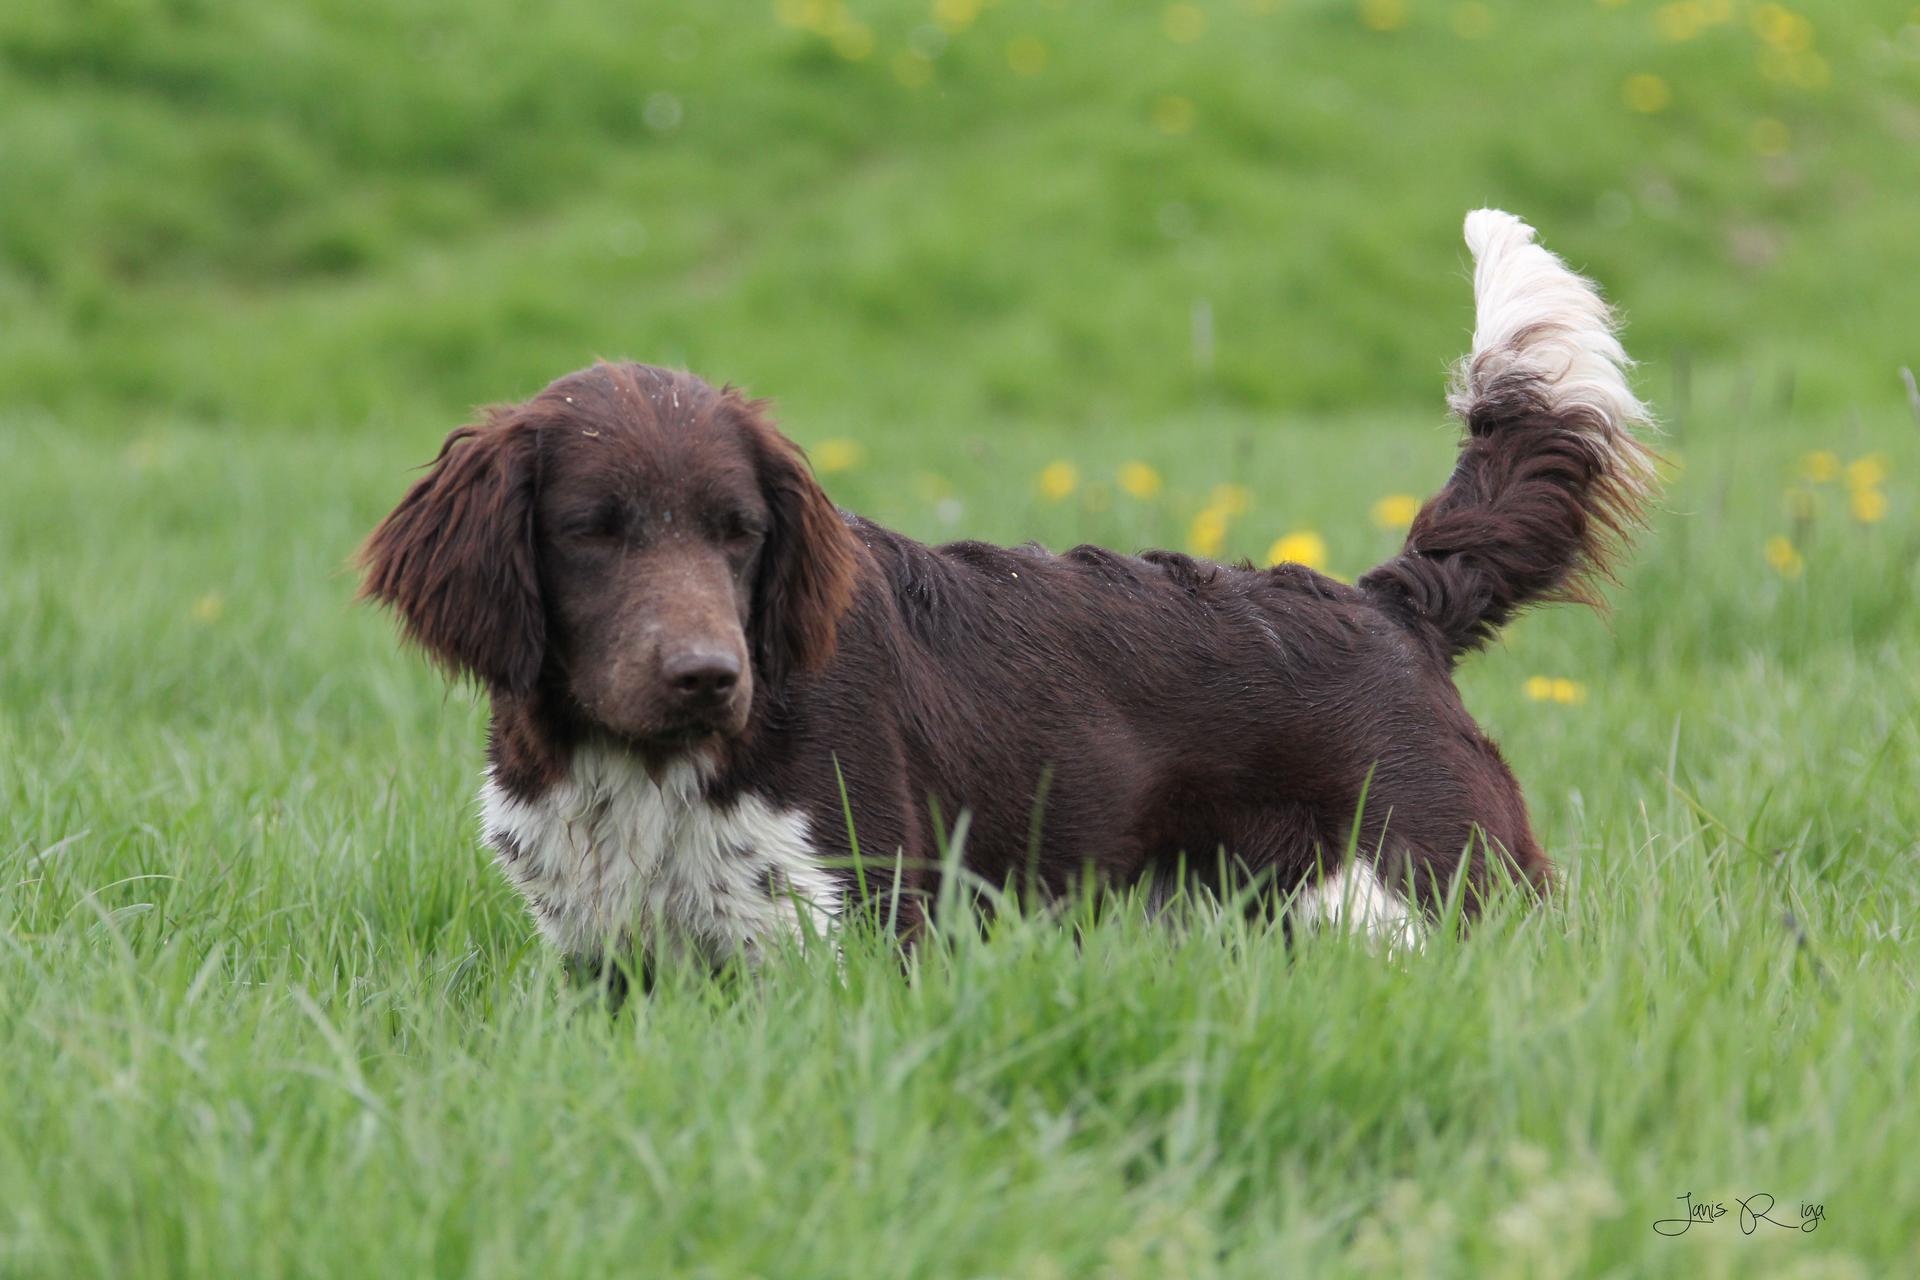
[1551, 476]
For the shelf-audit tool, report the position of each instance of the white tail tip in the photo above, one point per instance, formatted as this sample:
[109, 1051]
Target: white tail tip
[1536, 318]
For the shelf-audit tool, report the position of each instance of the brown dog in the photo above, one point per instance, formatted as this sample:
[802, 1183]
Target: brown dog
[688, 648]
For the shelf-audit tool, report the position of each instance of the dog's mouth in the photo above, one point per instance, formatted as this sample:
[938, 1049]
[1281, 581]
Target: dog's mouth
[680, 738]
[685, 736]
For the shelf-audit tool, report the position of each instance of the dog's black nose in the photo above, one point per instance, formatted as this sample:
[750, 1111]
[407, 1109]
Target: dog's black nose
[702, 675]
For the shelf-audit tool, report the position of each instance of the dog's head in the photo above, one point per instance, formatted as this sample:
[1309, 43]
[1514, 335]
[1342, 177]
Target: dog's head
[631, 539]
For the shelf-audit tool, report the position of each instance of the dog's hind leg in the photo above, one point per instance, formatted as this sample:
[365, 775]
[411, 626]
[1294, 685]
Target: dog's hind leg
[1355, 897]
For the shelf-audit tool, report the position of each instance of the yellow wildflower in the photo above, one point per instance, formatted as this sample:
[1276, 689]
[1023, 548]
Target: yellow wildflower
[806, 15]
[838, 455]
[1822, 466]
[1867, 505]
[1383, 15]
[1540, 688]
[1057, 480]
[1682, 21]
[1784, 557]
[1185, 23]
[1782, 28]
[1396, 510]
[955, 16]
[1867, 472]
[1208, 533]
[1647, 93]
[852, 39]
[1303, 546]
[1568, 691]
[1234, 499]
[1139, 479]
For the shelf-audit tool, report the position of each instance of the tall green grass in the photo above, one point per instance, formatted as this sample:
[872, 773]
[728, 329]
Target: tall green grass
[266, 1010]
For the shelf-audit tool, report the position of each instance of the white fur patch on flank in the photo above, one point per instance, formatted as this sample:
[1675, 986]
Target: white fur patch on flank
[609, 859]
[1536, 318]
[1354, 899]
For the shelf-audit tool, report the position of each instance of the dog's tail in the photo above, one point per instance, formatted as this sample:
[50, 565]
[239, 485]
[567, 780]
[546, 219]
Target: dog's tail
[1551, 478]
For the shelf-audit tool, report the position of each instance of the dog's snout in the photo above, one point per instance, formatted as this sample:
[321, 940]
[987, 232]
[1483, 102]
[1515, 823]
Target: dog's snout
[702, 675]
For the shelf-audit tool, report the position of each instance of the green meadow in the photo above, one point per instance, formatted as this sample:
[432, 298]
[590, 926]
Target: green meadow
[1177, 275]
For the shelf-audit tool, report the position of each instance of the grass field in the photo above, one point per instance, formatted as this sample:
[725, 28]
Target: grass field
[266, 1010]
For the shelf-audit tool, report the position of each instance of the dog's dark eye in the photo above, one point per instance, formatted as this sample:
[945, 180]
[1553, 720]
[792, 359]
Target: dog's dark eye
[742, 528]
[605, 523]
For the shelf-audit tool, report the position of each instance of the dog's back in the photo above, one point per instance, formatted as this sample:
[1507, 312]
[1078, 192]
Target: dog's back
[1178, 708]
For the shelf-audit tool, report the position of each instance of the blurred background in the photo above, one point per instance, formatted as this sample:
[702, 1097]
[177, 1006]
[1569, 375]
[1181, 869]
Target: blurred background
[1025, 214]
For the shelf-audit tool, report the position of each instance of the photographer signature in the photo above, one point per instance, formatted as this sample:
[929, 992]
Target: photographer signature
[1754, 1210]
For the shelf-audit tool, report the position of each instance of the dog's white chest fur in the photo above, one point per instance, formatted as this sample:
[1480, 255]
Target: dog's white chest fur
[610, 858]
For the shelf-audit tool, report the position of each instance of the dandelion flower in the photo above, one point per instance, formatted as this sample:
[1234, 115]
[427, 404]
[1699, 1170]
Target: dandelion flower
[1303, 546]
[853, 40]
[1568, 692]
[1822, 466]
[1867, 505]
[1784, 557]
[1539, 688]
[1058, 479]
[805, 15]
[1682, 21]
[1396, 510]
[838, 455]
[1234, 499]
[1867, 472]
[955, 16]
[1782, 28]
[1139, 480]
[1647, 93]
[1208, 533]
[1185, 23]
[1383, 15]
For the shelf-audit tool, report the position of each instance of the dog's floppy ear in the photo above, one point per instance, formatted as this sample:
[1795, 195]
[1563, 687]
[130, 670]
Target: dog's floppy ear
[456, 558]
[807, 566]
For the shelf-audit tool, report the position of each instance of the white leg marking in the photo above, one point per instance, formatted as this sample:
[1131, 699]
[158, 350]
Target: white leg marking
[1353, 898]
